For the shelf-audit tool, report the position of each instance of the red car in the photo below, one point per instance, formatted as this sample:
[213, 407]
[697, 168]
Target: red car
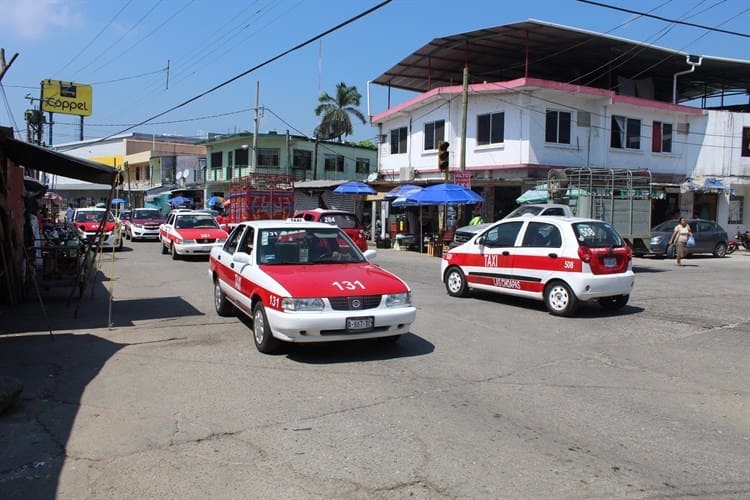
[340, 218]
[87, 222]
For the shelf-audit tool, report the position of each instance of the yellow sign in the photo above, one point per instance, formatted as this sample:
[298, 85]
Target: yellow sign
[66, 97]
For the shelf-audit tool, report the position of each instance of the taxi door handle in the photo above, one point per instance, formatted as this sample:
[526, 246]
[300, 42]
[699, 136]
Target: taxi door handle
[553, 255]
[506, 253]
[231, 265]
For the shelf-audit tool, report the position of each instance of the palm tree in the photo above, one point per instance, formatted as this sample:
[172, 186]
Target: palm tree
[336, 121]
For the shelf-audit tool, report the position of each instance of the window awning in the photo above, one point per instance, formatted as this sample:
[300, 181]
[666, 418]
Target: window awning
[53, 162]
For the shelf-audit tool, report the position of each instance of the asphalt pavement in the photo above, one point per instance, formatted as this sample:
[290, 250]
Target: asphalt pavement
[152, 395]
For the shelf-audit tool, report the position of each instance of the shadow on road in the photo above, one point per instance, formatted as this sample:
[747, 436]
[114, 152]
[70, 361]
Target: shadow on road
[585, 309]
[35, 430]
[408, 345]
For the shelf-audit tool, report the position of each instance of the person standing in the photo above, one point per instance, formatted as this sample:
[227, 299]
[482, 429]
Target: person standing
[69, 214]
[679, 238]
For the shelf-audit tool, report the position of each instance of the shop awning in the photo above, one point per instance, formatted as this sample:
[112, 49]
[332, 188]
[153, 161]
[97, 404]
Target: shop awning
[53, 162]
[705, 185]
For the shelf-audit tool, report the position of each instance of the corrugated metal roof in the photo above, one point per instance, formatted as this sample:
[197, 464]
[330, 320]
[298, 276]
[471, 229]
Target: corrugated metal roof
[563, 54]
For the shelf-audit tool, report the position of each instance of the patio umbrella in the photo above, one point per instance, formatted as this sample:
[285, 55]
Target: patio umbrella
[179, 200]
[354, 187]
[533, 196]
[401, 191]
[215, 200]
[443, 194]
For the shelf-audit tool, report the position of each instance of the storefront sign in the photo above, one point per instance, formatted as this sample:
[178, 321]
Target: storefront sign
[66, 97]
[462, 179]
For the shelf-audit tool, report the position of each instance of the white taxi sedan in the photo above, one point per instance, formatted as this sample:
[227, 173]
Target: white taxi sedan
[306, 282]
[560, 260]
[190, 232]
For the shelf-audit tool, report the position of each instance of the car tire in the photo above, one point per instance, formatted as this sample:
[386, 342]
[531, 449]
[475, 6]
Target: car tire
[455, 283]
[164, 249]
[264, 340]
[223, 306]
[720, 250]
[614, 303]
[560, 299]
[173, 251]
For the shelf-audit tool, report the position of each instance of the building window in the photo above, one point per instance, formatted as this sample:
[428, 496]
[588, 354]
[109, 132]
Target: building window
[302, 159]
[745, 141]
[362, 165]
[241, 157]
[626, 133]
[736, 205]
[661, 140]
[434, 134]
[216, 159]
[334, 163]
[137, 174]
[557, 128]
[491, 129]
[268, 157]
[398, 141]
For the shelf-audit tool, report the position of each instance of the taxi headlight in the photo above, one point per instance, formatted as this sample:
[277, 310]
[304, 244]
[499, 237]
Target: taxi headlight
[398, 299]
[290, 304]
[139, 226]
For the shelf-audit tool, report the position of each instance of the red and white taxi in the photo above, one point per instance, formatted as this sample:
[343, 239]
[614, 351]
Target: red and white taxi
[305, 281]
[561, 260]
[87, 222]
[190, 232]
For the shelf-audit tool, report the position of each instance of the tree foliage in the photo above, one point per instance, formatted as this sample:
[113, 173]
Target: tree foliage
[336, 112]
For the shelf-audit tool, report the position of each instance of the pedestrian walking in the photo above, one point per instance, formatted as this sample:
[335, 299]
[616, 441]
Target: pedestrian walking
[679, 239]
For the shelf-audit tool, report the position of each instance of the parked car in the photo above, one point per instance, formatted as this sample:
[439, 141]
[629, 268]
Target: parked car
[465, 233]
[189, 232]
[87, 222]
[143, 224]
[345, 220]
[709, 238]
[561, 261]
[305, 282]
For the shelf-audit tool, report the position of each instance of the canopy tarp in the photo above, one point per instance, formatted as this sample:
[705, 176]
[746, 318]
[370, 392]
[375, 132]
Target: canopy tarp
[53, 162]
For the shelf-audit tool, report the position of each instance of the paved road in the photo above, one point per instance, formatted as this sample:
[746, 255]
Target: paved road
[488, 397]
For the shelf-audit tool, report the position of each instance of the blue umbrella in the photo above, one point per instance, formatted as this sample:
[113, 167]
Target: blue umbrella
[401, 191]
[118, 201]
[444, 194]
[215, 200]
[179, 200]
[354, 187]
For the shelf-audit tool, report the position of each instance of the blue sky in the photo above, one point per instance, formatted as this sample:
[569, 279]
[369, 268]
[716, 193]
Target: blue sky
[121, 47]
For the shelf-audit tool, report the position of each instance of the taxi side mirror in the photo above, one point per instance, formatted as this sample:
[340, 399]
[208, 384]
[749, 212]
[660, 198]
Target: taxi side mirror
[481, 240]
[241, 257]
[370, 254]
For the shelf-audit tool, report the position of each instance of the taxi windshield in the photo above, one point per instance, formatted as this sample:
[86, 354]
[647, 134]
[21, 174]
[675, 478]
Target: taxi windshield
[284, 246]
[146, 213]
[92, 216]
[594, 234]
[195, 221]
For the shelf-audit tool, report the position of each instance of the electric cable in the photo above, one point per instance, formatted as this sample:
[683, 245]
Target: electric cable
[8, 109]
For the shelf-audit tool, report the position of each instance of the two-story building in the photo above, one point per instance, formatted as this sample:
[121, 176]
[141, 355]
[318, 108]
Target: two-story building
[317, 166]
[542, 96]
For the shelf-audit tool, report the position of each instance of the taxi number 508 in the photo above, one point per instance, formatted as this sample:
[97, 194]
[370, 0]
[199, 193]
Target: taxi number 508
[348, 285]
[568, 264]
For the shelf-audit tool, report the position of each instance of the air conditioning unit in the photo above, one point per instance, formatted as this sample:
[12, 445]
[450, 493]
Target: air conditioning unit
[406, 174]
[683, 128]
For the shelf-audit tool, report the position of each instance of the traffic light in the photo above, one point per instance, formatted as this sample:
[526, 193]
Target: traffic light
[443, 156]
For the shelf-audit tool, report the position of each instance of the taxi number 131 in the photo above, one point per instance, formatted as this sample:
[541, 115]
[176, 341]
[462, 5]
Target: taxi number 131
[348, 285]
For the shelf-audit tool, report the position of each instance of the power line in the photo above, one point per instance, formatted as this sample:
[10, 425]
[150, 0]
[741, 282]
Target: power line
[170, 122]
[8, 109]
[665, 19]
[254, 68]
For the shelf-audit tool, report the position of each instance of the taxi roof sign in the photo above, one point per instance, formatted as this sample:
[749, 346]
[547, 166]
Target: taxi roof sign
[66, 97]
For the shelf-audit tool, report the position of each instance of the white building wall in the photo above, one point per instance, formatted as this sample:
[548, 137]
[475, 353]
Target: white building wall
[87, 151]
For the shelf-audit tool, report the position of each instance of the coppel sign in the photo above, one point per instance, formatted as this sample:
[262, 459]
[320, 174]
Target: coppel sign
[66, 97]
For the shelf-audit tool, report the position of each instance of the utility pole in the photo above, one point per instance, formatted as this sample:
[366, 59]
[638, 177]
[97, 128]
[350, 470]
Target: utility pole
[464, 110]
[254, 152]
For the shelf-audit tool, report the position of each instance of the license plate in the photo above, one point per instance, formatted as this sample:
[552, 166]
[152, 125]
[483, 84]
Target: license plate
[360, 324]
[610, 262]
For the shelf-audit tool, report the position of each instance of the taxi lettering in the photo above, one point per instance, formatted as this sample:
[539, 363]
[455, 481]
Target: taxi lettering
[507, 283]
[490, 260]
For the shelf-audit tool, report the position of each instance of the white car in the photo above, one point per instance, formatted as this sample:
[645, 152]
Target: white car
[560, 260]
[305, 281]
[190, 232]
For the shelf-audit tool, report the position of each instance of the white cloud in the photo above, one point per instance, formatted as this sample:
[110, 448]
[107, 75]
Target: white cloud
[33, 18]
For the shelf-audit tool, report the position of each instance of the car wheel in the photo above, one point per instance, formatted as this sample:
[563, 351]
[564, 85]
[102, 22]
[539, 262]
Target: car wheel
[455, 283]
[164, 249]
[223, 306]
[720, 250]
[175, 255]
[560, 299]
[264, 340]
[614, 303]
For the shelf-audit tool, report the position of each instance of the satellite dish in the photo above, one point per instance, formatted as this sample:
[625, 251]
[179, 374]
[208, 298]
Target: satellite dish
[372, 177]
[185, 173]
[179, 175]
